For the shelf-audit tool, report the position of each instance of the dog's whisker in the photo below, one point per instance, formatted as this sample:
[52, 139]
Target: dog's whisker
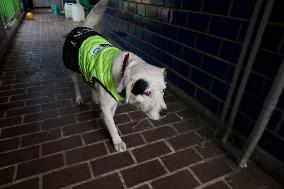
[137, 124]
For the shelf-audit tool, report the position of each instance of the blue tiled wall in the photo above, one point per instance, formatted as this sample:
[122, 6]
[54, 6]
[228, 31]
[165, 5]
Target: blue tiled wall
[199, 42]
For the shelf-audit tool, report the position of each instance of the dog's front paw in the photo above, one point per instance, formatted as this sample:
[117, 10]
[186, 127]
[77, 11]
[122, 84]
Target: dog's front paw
[120, 146]
[79, 100]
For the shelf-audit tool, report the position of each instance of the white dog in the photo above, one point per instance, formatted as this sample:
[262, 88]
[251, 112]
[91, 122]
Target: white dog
[114, 75]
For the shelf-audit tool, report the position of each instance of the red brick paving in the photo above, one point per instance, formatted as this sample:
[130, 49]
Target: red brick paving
[48, 142]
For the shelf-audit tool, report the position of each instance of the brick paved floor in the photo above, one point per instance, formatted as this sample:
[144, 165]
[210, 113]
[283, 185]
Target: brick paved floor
[48, 142]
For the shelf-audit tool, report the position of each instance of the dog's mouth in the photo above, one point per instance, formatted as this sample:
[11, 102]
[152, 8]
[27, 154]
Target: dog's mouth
[155, 117]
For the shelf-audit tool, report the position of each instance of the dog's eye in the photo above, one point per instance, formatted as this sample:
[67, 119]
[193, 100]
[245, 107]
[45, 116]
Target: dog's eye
[148, 93]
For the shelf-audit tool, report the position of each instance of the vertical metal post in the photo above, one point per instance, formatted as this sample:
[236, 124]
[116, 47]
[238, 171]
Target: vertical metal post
[262, 121]
[255, 47]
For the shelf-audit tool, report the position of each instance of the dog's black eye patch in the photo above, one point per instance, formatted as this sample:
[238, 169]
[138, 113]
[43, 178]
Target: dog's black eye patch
[139, 87]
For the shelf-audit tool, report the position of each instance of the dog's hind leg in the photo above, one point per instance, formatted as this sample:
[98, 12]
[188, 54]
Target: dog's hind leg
[78, 97]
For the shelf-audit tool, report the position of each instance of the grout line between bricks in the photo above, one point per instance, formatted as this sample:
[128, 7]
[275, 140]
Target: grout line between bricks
[150, 186]
[40, 151]
[143, 138]
[196, 151]
[227, 184]
[122, 180]
[106, 147]
[169, 146]
[15, 174]
[164, 166]
[133, 157]
[82, 139]
[91, 169]
[194, 176]
[215, 180]
[40, 182]
[18, 181]
[64, 159]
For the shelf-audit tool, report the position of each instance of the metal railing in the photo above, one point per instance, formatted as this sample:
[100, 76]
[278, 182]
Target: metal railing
[9, 9]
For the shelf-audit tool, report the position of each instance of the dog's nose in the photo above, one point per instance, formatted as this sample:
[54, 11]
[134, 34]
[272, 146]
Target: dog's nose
[163, 112]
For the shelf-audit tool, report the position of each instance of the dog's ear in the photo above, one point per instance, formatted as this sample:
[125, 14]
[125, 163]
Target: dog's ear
[139, 87]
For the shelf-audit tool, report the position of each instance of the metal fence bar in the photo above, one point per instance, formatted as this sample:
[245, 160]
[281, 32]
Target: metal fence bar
[251, 59]
[262, 121]
[239, 65]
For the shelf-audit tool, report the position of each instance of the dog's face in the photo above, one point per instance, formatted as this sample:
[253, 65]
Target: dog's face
[147, 92]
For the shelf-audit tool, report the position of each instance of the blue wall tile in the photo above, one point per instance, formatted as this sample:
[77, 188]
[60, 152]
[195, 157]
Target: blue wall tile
[186, 37]
[267, 63]
[156, 27]
[186, 86]
[193, 57]
[216, 67]
[208, 44]
[266, 88]
[274, 120]
[198, 21]
[169, 31]
[207, 100]
[243, 8]
[173, 77]
[255, 84]
[132, 7]
[250, 106]
[277, 11]
[172, 47]
[224, 27]
[243, 31]
[148, 36]
[166, 59]
[272, 37]
[273, 145]
[230, 51]
[231, 72]
[242, 124]
[281, 101]
[178, 18]
[173, 3]
[216, 6]
[125, 6]
[200, 78]
[131, 29]
[141, 9]
[219, 89]
[192, 5]
[158, 2]
[181, 67]
[281, 130]
[139, 33]
[150, 11]
[113, 4]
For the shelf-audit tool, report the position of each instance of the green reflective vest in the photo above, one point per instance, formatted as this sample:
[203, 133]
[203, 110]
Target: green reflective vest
[96, 55]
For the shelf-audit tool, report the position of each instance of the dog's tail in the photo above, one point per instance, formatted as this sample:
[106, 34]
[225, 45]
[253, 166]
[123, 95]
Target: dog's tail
[93, 19]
